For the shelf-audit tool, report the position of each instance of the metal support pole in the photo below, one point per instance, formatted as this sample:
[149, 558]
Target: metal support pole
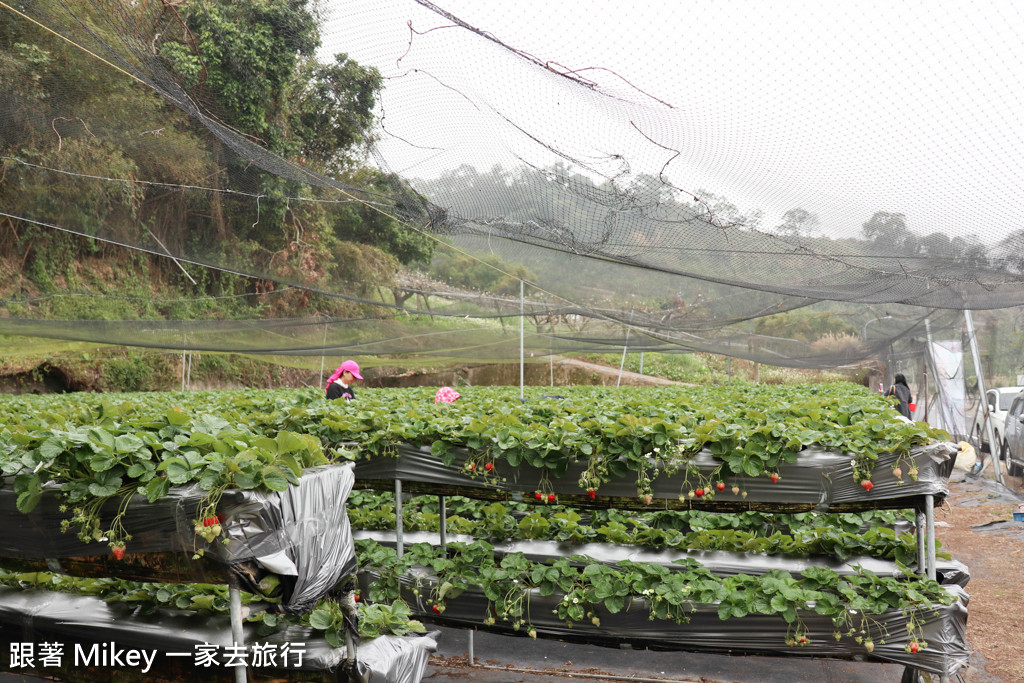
[920, 543]
[993, 446]
[323, 352]
[444, 523]
[399, 521]
[624, 348]
[235, 603]
[522, 337]
[641, 362]
[929, 514]
[350, 647]
[472, 631]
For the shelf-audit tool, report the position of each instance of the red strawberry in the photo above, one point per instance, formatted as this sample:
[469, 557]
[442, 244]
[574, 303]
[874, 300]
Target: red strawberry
[551, 498]
[210, 521]
[803, 639]
[437, 610]
[699, 492]
[489, 467]
[118, 551]
[221, 517]
[775, 477]
[356, 597]
[867, 485]
[539, 496]
[592, 493]
[473, 467]
[720, 486]
[913, 647]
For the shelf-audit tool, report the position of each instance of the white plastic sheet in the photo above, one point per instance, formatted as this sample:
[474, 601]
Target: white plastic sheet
[31, 616]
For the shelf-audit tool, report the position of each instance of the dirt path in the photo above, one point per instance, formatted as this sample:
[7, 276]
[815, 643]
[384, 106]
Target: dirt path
[628, 378]
[976, 526]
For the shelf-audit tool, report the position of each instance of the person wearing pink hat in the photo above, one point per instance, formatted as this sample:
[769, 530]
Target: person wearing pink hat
[339, 384]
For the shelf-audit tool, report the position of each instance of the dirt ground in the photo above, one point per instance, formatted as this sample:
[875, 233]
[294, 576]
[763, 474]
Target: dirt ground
[976, 526]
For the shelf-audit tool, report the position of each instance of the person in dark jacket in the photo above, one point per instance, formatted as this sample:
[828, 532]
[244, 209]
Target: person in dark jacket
[339, 384]
[901, 390]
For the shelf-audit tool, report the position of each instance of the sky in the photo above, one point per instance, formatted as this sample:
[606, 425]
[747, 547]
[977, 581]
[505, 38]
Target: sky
[840, 108]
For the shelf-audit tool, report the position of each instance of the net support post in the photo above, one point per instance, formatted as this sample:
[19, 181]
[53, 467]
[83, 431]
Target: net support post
[399, 520]
[471, 632]
[993, 447]
[235, 601]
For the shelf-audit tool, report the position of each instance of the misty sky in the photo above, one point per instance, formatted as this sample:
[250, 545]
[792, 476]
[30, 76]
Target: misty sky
[839, 108]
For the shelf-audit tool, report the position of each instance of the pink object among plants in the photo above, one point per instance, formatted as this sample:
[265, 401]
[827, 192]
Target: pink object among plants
[446, 395]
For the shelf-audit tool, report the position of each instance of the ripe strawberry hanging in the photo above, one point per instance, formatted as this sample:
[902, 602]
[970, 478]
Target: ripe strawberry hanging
[551, 498]
[775, 477]
[720, 486]
[867, 485]
[118, 551]
[592, 493]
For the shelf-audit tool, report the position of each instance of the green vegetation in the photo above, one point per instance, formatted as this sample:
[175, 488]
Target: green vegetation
[101, 447]
[835, 535]
[98, 449]
[668, 593]
[707, 368]
[251, 62]
[373, 620]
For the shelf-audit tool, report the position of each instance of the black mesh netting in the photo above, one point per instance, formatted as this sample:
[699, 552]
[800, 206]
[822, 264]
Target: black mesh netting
[663, 176]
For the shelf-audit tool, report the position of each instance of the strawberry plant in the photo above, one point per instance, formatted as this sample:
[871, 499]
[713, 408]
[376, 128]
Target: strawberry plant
[853, 602]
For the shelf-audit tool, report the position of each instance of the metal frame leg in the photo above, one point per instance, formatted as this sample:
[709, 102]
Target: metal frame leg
[929, 512]
[399, 519]
[444, 523]
[235, 600]
[921, 567]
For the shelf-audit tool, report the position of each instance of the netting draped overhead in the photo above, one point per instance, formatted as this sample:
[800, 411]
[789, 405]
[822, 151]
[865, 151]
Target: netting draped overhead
[677, 170]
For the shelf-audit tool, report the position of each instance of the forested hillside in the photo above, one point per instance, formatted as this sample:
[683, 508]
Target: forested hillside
[251, 63]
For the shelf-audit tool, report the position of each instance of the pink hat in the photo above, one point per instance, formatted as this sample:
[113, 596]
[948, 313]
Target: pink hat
[352, 367]
[349, 365]
[446, 395]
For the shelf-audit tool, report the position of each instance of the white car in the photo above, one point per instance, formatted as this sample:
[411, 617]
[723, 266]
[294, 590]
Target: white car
[999, 401]
[1013, 439]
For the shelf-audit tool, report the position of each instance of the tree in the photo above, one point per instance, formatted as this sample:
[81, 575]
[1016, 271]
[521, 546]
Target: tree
[888, 233]
[797, 223]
